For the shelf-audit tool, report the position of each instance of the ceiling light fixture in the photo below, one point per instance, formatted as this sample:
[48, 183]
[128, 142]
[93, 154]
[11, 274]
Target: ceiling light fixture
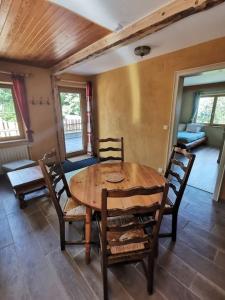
[142, 50]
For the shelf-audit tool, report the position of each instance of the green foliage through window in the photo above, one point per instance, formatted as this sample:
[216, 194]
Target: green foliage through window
[8, 119]
[205, 108]
[70, 104]
[219, 116]
[7, 108]
[211, 110]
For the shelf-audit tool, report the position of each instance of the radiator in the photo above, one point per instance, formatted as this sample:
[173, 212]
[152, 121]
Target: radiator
[13, 153]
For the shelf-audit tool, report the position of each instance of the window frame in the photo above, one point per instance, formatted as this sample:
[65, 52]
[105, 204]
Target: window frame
[215, 96]
[21, 135]
[83, 106]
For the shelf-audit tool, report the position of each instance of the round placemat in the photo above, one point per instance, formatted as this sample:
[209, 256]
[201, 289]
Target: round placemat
[115, 177]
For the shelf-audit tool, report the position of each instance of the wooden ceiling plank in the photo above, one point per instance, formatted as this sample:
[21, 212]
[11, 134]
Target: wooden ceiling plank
[68, 36]
[42, 26]
[165, 16]
[16, 14]
[35, 23]
[4, 11]
[7, 25]
[42, 33]
[25, 26]
[77, 41]
[47, 36]
[71, 37]
[50, 34]
[21, 49]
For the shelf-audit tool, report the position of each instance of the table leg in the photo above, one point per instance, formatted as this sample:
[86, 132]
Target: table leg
[21, 200]
[88, 234]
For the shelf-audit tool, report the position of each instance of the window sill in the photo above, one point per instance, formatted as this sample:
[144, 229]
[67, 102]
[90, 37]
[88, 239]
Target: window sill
[211, 125]
[4, 144]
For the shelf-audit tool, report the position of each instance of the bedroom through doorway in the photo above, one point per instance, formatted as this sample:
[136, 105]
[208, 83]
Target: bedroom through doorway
[201, 125]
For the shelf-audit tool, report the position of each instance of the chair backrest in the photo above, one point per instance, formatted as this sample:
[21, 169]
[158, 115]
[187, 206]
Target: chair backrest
[155, 210]
[119, 148]
[54, 178]
[182, 161]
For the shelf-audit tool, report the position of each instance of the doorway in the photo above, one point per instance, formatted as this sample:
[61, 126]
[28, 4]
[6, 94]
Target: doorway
[73, 108]
[199, 124]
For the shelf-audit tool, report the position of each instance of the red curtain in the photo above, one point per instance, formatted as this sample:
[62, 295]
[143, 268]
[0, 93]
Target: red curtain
[90, 138]
[21, 100]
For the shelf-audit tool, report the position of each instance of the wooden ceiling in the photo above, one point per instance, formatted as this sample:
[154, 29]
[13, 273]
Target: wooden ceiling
[40, 33]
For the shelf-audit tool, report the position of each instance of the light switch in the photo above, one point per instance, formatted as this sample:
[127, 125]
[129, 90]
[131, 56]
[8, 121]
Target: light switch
[160, 170]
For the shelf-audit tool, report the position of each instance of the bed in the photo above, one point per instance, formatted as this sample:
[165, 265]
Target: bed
[191, 137]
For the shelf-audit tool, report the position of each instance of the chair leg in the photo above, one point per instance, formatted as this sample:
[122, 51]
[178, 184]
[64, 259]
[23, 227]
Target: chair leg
[150, 278]
[104, 278]
[174, 227]
[83, 232]
[62, 235]
[157, 248]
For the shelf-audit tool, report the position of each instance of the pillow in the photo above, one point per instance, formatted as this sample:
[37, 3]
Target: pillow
[193, 127]
[181, 127]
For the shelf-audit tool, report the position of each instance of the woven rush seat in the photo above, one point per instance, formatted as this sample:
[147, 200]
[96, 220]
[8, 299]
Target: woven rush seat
[121, 221]
[125, 240]
[74, 210]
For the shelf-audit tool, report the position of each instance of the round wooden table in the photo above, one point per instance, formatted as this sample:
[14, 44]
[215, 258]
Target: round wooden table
[86, 187]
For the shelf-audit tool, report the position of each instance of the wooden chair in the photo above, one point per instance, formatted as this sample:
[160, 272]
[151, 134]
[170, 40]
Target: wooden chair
[120, 149]
[58, 186]
[183, 162]
[122, 233]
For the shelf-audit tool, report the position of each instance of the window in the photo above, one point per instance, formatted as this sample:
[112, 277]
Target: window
[211, 110]
[10, 122]
[219, 116]
[73, 108]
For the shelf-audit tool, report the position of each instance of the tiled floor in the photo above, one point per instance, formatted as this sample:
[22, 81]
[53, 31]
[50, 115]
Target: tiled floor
[205, 169]
[33, 267]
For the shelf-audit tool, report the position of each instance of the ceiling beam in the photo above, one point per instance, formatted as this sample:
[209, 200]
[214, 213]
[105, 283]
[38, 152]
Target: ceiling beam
[159, 19]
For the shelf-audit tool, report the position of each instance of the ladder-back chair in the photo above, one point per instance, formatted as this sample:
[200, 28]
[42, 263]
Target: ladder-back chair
[177, 173]
[58, 187]
[122, 233]
[111, 149]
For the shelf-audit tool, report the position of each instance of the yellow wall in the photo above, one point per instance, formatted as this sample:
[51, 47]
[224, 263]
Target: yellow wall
[38, 86]
[136, 101]
[133, 101]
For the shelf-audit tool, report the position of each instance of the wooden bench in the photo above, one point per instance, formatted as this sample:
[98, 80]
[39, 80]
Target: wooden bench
[26, 181]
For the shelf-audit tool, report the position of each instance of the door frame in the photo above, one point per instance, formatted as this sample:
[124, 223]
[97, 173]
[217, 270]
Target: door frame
[83, 118]
[175, 116]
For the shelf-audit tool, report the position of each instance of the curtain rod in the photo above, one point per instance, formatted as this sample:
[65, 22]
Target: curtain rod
[71, 81]
[13, 73]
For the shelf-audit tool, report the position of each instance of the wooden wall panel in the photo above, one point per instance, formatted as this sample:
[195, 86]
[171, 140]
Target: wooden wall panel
[41, 33]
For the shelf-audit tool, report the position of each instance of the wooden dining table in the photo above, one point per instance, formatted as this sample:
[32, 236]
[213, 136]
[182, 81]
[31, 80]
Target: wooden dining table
[86, 188]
